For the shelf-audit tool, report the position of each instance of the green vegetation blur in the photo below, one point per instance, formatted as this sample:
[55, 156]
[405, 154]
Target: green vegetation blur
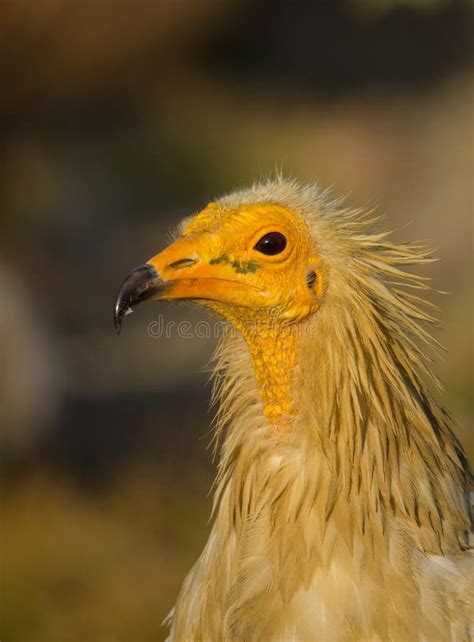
[117, 119]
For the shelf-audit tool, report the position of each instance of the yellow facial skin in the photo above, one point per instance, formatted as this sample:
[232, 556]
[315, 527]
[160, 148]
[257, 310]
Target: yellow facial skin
[215, 260]
[215, 263]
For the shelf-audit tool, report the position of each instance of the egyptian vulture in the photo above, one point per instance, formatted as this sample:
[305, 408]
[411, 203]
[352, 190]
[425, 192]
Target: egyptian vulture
[341, 507]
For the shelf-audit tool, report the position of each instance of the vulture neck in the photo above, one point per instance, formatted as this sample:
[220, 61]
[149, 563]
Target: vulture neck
[349, 435]
[273, 349]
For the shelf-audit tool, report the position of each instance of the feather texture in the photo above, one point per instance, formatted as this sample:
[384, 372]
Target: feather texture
[352, 523]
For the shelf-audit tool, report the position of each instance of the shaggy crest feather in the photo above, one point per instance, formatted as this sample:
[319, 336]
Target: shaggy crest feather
[352, 523]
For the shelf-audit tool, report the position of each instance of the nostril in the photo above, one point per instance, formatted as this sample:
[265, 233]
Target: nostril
[182, 263]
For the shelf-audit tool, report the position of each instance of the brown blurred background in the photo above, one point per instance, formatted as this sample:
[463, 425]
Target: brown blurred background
[118, 118]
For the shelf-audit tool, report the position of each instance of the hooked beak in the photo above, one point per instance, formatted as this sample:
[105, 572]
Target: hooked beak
[190, 268]
[141, 284]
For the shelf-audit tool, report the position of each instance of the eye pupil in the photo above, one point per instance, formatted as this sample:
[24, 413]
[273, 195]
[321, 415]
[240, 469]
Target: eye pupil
[271, 244]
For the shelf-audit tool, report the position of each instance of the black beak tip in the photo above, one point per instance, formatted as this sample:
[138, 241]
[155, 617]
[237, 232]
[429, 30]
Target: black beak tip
[140, 284]
[118, 316]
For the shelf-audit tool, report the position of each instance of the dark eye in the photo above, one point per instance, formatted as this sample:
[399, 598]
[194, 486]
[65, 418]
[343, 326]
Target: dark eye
[270, 244]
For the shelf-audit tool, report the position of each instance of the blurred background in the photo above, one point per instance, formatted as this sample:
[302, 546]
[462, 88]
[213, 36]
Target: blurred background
[118, 118]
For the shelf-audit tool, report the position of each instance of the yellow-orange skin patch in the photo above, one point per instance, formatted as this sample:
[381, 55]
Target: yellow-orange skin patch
[262, 296]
